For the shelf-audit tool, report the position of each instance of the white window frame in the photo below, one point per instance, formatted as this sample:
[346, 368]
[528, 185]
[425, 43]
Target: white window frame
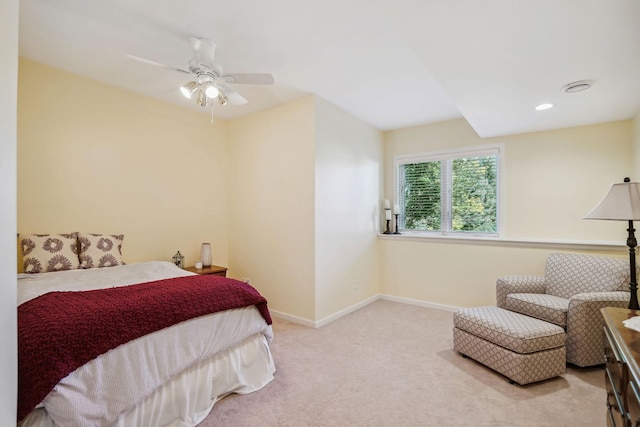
[476, 151]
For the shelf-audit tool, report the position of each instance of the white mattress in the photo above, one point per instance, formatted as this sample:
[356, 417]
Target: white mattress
[164, 378]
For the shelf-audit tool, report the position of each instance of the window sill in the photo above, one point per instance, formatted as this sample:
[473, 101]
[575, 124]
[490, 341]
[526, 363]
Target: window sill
[497, 241]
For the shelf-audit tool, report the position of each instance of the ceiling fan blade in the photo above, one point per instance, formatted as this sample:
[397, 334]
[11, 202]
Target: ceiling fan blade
[203, 51]
[234, 97]
[155, 64]
[249, 78]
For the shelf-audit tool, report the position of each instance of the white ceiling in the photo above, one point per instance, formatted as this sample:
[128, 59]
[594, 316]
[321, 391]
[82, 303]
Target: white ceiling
[392, 63]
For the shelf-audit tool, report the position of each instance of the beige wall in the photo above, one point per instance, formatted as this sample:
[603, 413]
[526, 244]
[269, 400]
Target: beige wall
[555, 178]
[552, 179]
[267, 190]
[99, 159]
[8, 117]
[169, 180]
[348, 185]
[271, 187]
[304, 186]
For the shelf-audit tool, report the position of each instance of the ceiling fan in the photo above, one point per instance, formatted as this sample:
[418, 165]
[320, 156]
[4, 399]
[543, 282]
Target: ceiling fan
[208, 83]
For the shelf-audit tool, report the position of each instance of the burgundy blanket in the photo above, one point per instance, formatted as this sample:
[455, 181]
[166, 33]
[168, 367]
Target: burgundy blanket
[60, 331]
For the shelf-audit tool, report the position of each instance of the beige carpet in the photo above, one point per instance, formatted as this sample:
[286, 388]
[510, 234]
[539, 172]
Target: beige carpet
[392, 364]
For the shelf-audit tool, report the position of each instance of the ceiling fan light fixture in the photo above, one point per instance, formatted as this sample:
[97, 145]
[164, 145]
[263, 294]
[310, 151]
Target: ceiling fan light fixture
[211, 90]
[202, 98]
[189, 89]
[208, 83]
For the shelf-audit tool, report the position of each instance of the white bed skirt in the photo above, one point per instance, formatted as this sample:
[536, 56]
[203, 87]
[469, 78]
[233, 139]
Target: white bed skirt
[186, 399]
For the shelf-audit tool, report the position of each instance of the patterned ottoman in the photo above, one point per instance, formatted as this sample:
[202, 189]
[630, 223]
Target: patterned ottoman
[522, 348]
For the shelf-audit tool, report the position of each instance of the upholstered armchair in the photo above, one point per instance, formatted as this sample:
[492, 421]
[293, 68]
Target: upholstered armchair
[570, 294]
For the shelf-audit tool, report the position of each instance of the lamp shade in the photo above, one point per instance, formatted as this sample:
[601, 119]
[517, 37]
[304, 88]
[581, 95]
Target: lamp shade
[622, 203]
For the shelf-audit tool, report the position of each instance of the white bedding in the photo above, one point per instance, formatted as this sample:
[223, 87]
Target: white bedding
[33, 285]
[171, 377]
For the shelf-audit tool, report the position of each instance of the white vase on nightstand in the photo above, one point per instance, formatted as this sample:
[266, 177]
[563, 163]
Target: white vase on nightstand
[205, 254]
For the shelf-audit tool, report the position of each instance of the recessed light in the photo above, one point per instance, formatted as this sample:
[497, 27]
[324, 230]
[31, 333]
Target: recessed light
[544, 107]
[578, 86]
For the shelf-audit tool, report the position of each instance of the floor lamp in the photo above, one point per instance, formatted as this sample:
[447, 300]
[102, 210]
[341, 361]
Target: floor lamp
[622, 203]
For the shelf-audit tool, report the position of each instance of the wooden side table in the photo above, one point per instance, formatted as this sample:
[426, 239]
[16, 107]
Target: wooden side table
[622, 373]
[212, 269]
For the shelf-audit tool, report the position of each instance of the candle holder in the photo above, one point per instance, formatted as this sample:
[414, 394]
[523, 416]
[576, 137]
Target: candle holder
[396, 232]
[387, 214]
[178, 260]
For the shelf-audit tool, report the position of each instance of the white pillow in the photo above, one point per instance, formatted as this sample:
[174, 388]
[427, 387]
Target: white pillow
[49, 252]
[100, 250]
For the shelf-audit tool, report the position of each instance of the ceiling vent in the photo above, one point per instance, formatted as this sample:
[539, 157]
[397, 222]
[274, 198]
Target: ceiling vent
[579, 86]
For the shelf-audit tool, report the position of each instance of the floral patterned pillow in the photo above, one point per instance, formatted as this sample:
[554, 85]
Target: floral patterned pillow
[100, 250]
[49, 252]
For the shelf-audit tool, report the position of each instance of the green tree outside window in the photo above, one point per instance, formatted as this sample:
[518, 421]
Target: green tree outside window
[454, 194]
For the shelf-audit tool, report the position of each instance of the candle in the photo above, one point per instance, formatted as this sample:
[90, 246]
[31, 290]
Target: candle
[396, 209]
[388, 213]
[386, 204]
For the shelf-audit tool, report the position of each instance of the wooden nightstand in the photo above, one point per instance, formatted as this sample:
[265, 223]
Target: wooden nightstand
[213, 269]
[621, 373]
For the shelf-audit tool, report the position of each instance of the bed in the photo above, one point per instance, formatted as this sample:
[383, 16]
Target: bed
[169, 377]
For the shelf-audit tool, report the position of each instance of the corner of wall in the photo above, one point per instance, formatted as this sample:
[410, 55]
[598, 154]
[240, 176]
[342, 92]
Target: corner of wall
[348, 169]
[8, 222]
[271, 190]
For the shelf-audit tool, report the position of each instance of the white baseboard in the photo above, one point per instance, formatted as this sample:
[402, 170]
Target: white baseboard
[345, 311]
[326, 320]
[419, 303]
[294, 319]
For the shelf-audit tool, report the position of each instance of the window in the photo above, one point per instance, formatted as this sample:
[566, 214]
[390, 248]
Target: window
[455, 192]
